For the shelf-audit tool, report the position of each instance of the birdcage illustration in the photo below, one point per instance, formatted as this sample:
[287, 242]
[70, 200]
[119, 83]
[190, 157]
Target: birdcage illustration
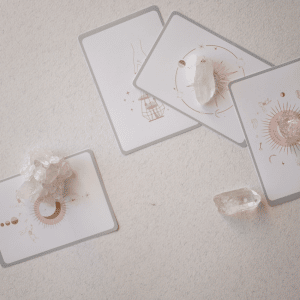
[151, 110]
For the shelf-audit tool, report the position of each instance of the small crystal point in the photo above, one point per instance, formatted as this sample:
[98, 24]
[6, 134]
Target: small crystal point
[204, 81]
[232, 202]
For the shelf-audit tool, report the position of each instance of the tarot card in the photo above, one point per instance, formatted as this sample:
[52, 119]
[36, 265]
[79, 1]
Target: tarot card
[28, 231]
[114, 54]
[268, 105]
[168, 73]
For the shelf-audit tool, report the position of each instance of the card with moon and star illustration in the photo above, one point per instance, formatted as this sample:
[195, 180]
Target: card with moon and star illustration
[28, 230]
[268, 106]
[169, 73]
[114, 54]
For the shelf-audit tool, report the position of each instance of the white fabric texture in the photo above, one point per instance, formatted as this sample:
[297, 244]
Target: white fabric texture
[172, 242]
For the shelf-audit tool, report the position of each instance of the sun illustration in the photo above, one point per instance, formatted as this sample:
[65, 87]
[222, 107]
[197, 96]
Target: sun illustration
[222, 78]
[282, 128]
[40, 208]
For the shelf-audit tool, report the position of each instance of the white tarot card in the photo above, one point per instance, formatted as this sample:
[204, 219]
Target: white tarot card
[114, 54]
[169, 70]
[268, 105]
[27, 231]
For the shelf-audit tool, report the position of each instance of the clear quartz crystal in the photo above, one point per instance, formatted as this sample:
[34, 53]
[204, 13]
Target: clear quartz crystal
[232, 202]
[46, 176]
[204, 81]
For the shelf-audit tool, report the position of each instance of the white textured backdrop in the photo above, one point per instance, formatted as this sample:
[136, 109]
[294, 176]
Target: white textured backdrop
[172, 242]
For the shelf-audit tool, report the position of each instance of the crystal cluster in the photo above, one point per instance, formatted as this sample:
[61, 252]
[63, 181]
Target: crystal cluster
[289, 125]
[232, 202]
[204, 81]
[46, 177]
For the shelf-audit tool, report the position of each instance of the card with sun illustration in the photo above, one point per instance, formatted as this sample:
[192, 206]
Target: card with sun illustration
[28, 230]
[170, 74]
[114, 54]
[268, 105]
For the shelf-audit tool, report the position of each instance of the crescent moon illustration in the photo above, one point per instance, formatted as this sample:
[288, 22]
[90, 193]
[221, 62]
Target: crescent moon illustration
[55, 218]
[270, 157]
[216, 113]
[56, 212]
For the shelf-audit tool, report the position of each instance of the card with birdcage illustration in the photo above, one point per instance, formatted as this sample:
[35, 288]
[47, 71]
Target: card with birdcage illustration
[189, 68]
[30, 229]
[268, 105]
[115, 53]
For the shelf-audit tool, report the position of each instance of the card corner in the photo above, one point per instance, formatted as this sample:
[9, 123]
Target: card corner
[80, 38]
[173, 14]
[134, 82]
[243, 144]
[116, 226]
[153, 8]
[2, 262]
[231, 83]
[89, 151]
[270, 202]
[125, 152]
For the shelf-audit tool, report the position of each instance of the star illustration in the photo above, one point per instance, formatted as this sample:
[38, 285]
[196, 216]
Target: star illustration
[127, 93]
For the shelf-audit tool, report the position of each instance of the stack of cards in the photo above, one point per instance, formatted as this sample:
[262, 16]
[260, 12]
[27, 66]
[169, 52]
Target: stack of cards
[115, 53]
[141, 70]
[163, 74]
[158, 105]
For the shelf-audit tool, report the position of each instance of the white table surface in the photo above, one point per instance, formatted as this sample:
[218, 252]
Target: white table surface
[172, 242]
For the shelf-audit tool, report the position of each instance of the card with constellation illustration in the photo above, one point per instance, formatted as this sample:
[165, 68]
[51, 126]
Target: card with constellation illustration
[33, 229]
[115, 53]
[268, 105]
[168, 73]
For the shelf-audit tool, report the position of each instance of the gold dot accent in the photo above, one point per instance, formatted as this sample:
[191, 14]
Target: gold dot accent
[14, 220]
[181, 64]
